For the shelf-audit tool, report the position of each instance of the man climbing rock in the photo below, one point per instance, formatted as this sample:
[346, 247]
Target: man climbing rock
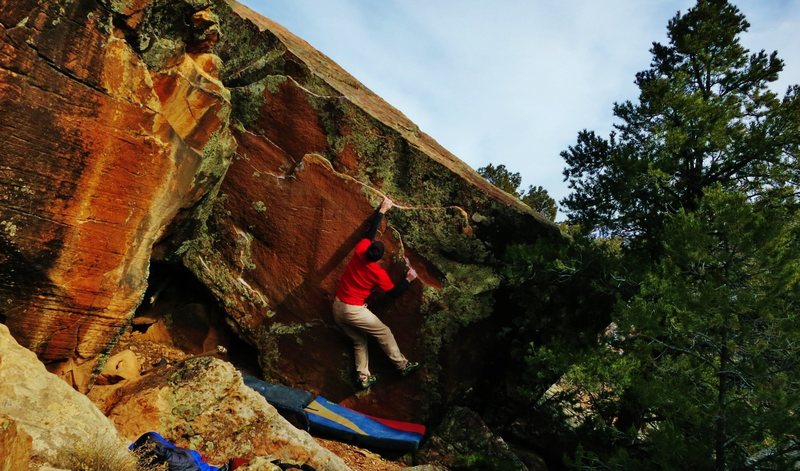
[362, 275]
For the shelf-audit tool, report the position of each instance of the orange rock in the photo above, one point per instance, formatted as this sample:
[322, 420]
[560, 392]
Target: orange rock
[122, 366]
[97, 164]
[116, 140]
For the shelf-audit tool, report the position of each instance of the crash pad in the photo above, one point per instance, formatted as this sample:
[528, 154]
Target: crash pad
[290, 402]
[321, 416]
[328, 418]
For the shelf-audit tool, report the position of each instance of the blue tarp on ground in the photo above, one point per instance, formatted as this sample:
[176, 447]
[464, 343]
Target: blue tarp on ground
[354, 427]
[290, 402]
[320, 415]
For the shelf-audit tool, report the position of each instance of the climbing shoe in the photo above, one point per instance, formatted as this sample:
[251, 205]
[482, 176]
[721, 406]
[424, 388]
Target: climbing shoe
[367, 382]
[410, 367]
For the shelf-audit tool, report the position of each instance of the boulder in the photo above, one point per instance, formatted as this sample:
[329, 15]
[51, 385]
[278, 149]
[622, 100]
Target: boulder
[110, 136]
[57, 419]
[121, 366]
[203, 404]
[196, 132]
[317, 151]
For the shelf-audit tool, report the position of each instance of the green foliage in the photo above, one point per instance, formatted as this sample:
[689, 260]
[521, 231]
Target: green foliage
[704, 117]
[557, 297]
[464, 299]
[556, 280]
[709, 345]
[693, 205]
[717, 319]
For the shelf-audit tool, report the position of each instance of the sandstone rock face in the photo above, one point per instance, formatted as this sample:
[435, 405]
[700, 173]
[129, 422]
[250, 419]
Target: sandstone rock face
[53, 414]
[317, 151]
[107, 136]
[204, 405]
[120, 120]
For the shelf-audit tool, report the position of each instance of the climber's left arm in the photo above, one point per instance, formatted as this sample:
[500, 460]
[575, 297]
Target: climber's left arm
[403, 284]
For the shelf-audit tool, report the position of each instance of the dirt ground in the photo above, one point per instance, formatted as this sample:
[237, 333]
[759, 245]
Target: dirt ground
[359, 458]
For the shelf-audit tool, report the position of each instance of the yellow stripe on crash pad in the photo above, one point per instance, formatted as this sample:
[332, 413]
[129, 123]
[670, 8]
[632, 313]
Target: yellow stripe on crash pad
[324, 412]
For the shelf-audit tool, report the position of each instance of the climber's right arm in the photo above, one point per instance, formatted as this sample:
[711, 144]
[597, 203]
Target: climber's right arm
[386, 205]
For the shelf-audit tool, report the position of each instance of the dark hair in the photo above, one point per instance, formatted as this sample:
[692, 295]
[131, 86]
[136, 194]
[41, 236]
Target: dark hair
[375, 251]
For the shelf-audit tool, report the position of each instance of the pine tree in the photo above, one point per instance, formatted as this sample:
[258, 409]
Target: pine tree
[502, 178]
[705, 116]
[699, 183]
[536, 196]
[539, 200]
[713, 339]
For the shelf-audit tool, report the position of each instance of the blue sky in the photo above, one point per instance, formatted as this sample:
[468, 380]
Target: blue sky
[511, 81]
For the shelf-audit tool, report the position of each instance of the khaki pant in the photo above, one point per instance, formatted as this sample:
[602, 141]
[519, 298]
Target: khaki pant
[358, 322]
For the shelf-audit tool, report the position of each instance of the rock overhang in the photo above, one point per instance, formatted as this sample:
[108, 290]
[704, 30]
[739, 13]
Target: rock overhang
[229, 145]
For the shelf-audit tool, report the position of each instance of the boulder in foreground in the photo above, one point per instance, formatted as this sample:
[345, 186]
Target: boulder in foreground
[58, 419]
[203, 404]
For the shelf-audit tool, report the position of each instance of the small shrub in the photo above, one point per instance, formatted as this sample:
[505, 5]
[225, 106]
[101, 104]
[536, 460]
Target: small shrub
[101, 454]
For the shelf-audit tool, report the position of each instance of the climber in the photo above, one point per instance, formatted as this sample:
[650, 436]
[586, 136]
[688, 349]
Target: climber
[363, 273]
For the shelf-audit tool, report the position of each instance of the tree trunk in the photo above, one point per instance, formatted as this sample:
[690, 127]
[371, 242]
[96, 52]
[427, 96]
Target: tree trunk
[721, 435]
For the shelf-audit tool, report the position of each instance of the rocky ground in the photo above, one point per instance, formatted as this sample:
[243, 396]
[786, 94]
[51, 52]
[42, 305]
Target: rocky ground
[151, 348]
[361, 458]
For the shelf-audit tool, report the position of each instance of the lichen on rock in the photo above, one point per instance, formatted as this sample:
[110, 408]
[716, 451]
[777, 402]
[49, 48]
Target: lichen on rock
[199, 133]
[320, 151]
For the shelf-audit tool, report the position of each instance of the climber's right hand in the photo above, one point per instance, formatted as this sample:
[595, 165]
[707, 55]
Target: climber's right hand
[411, 275]
[386, 205]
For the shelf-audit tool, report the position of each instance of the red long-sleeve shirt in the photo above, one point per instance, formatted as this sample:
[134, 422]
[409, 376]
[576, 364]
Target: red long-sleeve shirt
[360, 276]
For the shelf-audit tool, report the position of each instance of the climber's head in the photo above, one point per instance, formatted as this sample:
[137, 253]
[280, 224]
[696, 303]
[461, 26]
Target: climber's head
[375, 251]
